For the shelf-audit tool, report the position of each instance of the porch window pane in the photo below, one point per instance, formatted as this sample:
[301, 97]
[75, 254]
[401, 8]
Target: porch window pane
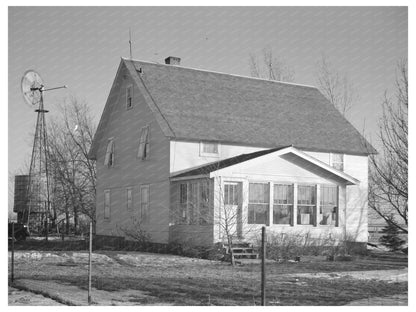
[193, 203]
[230, 194]
[282, 203]
[306, 204]
[204, 217]
[328, 209]
[258, 203]
[183, 199]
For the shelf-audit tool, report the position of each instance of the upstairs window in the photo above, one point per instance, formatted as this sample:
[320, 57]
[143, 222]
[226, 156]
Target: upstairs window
[129, 97]
[143, 152]
[337, 161]
[328, 209]
[209, 149]
[109, 154]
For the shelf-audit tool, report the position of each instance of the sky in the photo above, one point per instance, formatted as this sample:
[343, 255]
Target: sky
[81, 47]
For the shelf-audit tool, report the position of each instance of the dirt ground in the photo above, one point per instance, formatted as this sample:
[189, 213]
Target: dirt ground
[134, 278]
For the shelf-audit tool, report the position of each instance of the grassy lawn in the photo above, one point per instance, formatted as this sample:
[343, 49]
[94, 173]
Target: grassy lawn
[185, 281]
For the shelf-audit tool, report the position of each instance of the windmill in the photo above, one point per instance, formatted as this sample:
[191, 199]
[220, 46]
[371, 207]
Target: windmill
[36, 212]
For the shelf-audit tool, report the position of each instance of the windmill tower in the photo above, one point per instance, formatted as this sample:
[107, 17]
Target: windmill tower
[36, 213]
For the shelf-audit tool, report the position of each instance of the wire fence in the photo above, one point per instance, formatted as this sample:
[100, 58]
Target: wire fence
[97, 271]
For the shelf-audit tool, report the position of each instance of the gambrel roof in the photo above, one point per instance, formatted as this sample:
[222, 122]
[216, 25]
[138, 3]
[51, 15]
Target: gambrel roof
[196, 105]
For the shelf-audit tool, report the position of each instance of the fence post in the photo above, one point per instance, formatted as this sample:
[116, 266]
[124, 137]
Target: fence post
[12, 252]
[89, 266]
[263, 266]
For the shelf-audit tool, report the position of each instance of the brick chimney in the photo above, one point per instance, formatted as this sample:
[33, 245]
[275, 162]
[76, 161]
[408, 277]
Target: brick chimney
[173, 60]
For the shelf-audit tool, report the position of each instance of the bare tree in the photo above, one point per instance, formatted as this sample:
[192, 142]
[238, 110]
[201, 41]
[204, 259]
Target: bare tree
[270, 67]
[388, 184]
[73, 173]
[336, 87]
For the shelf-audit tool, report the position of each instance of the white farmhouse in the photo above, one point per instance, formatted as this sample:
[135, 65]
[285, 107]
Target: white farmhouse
[187, 154]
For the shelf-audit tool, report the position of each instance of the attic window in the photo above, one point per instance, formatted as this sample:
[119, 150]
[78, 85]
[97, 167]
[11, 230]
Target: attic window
[143, 152]
[109, 154]
[337, 161]
[129, 97]
[209, 149]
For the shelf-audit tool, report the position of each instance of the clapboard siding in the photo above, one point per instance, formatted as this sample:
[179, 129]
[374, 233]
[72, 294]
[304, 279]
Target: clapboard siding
[357, 198]
[124, 126]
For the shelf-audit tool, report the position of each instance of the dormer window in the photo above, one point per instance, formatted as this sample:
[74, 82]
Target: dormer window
[143, 152]
[337, 161]
[109, 154]
[129, 97]
[209, 149]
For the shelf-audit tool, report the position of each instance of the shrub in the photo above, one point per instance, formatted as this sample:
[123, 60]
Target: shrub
[138, 235]
[285, 246]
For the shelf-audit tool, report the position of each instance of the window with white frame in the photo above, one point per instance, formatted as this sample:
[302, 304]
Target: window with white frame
[282, 203]
[129, 97]
[328, 208]
[258, 203]
[231, 194]
[144, 203]
[337, 161]
[129, 197]
[143, 152]
[109, 154]
[306, 204]
[209, 149]
[107, 203]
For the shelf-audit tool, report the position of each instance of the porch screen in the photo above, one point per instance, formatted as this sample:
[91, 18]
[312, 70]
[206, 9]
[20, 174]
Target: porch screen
[306, 204]
[193, 202]
[204, 217]
[282, 203]
[183, 201]
[328, 209]
[258, 203]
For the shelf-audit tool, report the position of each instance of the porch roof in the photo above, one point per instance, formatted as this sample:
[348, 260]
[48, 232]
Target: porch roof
[295, 155]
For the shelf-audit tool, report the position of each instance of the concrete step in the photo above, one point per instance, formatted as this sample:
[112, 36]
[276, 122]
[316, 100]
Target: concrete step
[244, 255]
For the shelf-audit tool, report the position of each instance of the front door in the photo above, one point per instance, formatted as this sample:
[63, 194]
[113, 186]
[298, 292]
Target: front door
[232, 212]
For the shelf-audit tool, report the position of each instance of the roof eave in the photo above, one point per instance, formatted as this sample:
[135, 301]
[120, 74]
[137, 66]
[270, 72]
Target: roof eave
[349, 180]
